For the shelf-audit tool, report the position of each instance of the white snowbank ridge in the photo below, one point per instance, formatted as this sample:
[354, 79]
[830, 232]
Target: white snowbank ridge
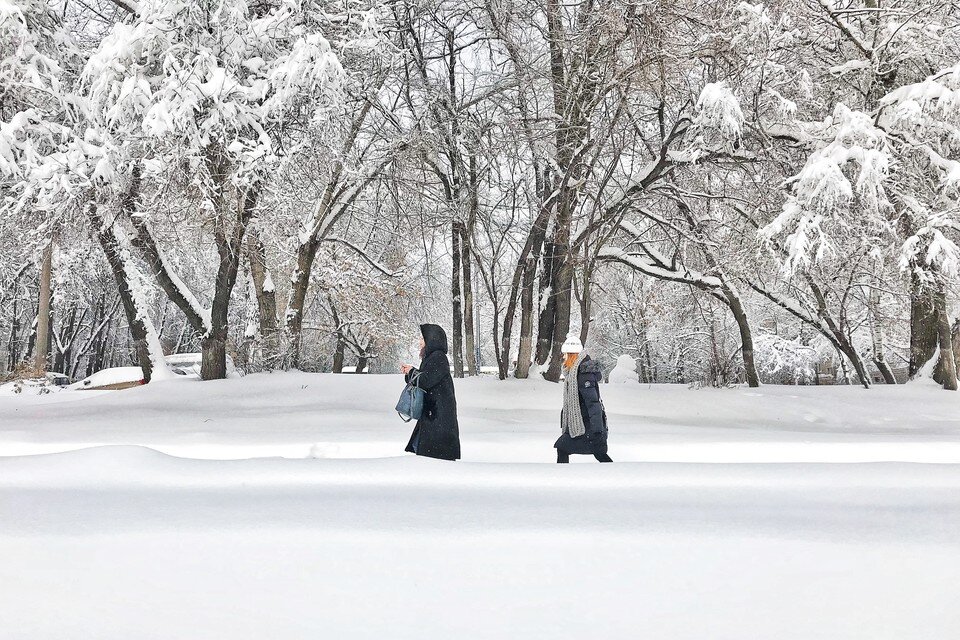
[298, 415]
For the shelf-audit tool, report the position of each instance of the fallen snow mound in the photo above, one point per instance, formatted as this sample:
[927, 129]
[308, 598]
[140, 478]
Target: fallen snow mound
[625, 372]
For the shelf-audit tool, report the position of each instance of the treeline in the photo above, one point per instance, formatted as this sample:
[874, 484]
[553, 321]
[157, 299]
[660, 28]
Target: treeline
[728, 192]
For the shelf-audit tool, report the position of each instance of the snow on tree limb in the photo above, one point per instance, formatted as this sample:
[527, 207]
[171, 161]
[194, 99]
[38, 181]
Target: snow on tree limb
[824, 191]
[658, 269]
[130, 6]
[719, 109]
[365, 256]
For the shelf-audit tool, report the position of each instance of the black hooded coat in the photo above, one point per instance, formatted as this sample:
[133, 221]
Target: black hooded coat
[437, 434]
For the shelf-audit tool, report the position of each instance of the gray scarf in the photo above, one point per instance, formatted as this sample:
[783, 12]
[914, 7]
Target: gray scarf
[572, 422]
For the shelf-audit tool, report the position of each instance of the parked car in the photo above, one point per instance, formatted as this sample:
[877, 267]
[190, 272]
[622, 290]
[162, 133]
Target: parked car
[58, 379]
[114, 378]
[111, 379]
[187, 364]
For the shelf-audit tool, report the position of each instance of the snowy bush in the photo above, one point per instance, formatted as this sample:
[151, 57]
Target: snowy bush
[780, 357]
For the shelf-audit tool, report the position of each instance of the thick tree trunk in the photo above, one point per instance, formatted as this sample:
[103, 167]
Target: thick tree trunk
[338, 355]
[946, 372]
[955, 339]
[266, 298]
[924, 329]
[455, 296]
[561, 326]
[746, 336]
[300, 283]
[43, 313]
[362, 362]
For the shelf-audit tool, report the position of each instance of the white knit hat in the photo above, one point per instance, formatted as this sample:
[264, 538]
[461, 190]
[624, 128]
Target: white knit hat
[573, 344]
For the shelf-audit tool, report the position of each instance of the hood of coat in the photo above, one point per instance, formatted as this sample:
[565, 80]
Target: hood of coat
[588, 366]
[434, 338]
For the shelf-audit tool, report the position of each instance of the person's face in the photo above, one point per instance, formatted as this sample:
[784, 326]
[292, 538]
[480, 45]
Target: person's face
[423, 343]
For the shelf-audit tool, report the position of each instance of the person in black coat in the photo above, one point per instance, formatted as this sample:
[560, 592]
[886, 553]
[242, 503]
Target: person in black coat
[583, 422]
[437, 434]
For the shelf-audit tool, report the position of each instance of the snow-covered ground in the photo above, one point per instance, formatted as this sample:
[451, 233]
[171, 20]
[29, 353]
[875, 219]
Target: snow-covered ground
[290, 511]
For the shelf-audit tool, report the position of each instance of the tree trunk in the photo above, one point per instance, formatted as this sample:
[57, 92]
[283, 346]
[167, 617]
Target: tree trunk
[824, 323]
[144, 241]
[924, 329]
[525, 347]
[95, 363]
[306, 253]
[230, 249]
[69, 335]
[266, 298]
[136, 317]
[876, 336]
[586, 302]
[955, 339]
[561, 326]
[457, 346]
[646, 364]
[362, 362]
[549, 304]
[946, 372]
[746, 336]
[468, 329]
[338, 355]
[31, 339]
[43, 313]
[13, 345]
[524, 281]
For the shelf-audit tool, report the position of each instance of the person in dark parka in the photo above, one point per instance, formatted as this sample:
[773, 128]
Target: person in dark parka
[583, 422]
[437, 434]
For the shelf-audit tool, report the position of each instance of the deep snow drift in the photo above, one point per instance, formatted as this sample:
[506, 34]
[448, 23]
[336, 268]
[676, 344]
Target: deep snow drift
[128, 542]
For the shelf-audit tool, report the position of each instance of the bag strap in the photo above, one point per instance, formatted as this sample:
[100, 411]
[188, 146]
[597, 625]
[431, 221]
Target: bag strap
[415, 379]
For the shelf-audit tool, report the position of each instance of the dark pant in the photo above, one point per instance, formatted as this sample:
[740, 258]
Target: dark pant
[564, 457]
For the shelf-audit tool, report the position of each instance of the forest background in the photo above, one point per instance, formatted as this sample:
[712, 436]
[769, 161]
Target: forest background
[726, 192]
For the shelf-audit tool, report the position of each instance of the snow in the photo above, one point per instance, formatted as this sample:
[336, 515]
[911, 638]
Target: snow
[849, 66]
[718, 108]
[293, 512]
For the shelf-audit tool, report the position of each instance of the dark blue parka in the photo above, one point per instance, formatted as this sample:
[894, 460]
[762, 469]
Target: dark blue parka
[437, 434]
[591, 408]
